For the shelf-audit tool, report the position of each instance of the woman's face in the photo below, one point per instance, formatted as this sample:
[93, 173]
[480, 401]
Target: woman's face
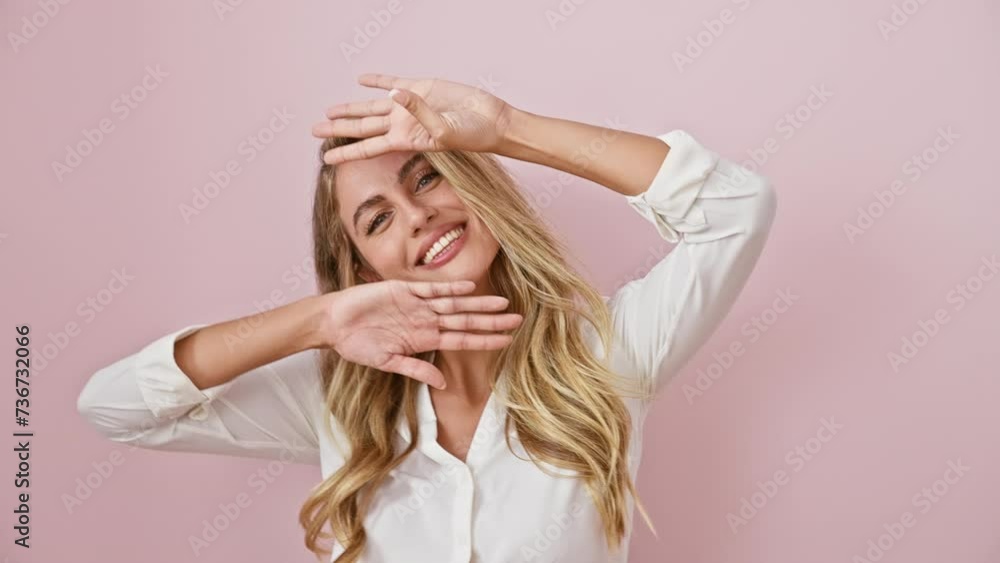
[396, 206]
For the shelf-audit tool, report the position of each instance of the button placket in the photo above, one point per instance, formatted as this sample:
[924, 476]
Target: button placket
[464, 499]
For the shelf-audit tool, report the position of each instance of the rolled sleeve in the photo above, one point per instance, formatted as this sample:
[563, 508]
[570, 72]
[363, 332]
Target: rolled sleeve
[145, 399]
[668, 201]
[165, 388]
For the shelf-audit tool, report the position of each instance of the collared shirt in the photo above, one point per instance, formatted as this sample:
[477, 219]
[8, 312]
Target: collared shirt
[495, 507]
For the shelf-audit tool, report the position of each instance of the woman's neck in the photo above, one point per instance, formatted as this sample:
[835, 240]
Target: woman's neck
[468, 373]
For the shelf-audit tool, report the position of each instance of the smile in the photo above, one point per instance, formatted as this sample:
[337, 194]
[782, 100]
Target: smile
[445, 248]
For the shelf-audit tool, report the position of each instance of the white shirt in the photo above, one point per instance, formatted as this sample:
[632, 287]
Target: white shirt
[494, 507]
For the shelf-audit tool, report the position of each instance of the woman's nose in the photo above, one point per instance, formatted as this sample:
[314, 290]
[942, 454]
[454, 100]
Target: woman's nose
[420, 215]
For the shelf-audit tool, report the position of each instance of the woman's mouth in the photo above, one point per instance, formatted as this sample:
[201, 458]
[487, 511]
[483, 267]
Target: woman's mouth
[445, 248]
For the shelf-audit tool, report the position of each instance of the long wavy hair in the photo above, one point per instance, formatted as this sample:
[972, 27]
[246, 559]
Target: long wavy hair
[565, 404]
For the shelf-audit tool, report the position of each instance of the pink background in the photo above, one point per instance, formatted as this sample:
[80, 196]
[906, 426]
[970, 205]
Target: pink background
[824, 357]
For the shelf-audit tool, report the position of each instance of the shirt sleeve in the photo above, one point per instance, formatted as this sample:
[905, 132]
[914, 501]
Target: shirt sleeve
[144, 399]
[719, 215]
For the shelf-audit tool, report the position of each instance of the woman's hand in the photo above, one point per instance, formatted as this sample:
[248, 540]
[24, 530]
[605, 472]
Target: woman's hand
[420, 115]
[381, 324]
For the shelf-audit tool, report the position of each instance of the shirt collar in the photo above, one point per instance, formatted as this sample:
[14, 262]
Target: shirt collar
[491, 421]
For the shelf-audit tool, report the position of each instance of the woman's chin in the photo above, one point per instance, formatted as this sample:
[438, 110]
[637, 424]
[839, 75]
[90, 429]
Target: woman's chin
[458, 268]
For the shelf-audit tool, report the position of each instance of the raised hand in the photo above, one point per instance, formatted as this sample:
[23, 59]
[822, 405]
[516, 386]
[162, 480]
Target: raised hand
[381, 324]
[420, 115]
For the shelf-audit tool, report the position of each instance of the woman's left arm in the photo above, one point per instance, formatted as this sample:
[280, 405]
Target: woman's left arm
[717, 212]
[620, 160]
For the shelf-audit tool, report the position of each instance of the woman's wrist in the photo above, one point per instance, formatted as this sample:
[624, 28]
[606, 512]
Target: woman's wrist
[514, 132]
[549, 141]
[320, 323]
[623, 161]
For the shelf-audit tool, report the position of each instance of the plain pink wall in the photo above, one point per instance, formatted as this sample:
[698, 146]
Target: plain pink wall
[826, 357]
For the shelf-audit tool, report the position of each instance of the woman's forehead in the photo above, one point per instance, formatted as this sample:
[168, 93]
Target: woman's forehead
[377, 172]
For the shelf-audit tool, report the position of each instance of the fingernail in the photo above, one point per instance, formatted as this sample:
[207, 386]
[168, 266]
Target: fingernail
[393, 92]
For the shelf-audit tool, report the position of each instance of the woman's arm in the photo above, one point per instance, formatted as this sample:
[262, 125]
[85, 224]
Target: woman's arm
[247, 387]
[216, 354]
[720, 216]
[252, 386]
[620, 160]
[718, 213]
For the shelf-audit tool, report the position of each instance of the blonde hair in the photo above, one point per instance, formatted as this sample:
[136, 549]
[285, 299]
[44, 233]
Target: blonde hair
[565, 404]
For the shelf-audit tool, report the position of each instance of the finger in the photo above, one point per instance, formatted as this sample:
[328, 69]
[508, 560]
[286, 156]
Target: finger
[449, 305]
[385, 81]
[415, 368]
[473, 321]
[352, 127]
[439, 289]
[470, 341]
[418, 108]
[372, 146]
[377, 106]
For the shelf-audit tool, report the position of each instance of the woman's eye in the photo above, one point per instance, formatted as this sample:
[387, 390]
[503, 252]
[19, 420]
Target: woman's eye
[428, 176]
[422, 182]
[376, 222]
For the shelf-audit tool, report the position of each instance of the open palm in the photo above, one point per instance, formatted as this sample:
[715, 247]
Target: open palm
[423, 115]
[384, 324]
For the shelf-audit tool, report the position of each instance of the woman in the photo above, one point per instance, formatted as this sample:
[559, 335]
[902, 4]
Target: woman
[468, 396]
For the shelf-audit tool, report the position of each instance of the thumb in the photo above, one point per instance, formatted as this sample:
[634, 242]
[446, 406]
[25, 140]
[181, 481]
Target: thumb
[423, 113]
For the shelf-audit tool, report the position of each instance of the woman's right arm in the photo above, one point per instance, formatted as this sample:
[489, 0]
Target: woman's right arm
[247, 387]
[252, 386]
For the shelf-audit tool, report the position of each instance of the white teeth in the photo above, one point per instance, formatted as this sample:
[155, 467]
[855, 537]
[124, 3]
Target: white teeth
[442, 243]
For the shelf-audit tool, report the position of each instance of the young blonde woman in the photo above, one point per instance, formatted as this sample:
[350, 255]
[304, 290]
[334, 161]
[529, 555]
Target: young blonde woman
[467, 395]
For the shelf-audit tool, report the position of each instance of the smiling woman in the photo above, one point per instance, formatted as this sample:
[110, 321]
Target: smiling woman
[408, 221]
[452, 351]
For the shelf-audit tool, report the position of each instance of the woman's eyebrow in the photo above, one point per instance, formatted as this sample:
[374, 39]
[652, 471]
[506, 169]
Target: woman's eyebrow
[374, 200]
[370, 202]
[407, 167]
